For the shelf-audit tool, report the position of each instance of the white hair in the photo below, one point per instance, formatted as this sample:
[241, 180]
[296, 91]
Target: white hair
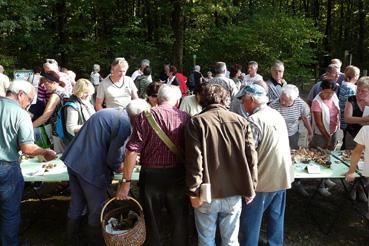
[290, 91]
[260, 100]
[1, 69]
[137, 106]
[277, 64]
[220, 68]
[169, 93]
[96, 67]
[197, 68]
[121, 62]
[19, 85]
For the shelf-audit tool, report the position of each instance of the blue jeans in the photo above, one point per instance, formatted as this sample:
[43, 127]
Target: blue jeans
[252, 215]
[227, 211]
[11, 190]
[85, 195]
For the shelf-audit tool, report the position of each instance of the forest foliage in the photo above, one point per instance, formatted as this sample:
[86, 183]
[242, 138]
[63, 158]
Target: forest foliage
[79, 33]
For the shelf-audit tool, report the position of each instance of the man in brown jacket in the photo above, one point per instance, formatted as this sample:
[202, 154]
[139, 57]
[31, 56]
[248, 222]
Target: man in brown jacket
[220, 150]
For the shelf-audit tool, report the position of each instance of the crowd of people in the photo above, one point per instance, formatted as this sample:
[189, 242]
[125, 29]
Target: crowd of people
[221, 144]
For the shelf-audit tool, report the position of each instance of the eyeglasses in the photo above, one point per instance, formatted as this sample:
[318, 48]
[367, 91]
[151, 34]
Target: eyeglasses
[30, 99]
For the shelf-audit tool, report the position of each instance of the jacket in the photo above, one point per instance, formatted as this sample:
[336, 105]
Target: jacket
[220, 142]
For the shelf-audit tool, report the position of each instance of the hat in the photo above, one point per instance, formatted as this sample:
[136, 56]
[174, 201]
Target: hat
[52, 76]
[145, 62]
[253, 89]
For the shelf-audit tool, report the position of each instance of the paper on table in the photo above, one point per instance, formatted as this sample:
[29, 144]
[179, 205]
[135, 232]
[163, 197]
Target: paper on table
[56, 170]
[39, 172]
[366, 111]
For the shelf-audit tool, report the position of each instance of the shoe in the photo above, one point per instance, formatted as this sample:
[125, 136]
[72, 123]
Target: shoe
[361, 193]
[353, 194]
[298, 187]
[324, 192]
[329, 183]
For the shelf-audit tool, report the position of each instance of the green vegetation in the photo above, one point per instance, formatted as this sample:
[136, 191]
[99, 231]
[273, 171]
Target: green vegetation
[79, 33]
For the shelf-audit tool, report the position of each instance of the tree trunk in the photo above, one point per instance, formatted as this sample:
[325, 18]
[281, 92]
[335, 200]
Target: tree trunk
[327, 33]
[61, 14]
[178, 30]
[360, 46]
[150, 24]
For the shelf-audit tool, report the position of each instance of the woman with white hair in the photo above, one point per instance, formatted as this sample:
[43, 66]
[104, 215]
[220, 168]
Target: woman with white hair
[117, 90]
[293, 108]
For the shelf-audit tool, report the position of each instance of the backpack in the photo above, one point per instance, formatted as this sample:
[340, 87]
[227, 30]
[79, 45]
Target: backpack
[60, 127]
[191, 83]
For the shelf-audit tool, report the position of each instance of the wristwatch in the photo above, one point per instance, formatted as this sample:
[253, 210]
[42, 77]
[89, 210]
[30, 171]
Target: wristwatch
[126, 180]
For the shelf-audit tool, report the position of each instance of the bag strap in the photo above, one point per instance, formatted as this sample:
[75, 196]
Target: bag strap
[161, 134]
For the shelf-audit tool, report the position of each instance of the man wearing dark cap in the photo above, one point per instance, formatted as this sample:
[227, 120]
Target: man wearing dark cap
[275, 173]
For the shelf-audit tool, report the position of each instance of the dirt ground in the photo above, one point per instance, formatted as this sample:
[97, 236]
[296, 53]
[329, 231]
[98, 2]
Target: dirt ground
[306, 221]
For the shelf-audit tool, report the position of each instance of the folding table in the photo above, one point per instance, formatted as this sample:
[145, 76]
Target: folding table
[337, 170]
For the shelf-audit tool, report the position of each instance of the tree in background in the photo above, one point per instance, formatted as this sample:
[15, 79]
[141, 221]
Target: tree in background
[79, 33]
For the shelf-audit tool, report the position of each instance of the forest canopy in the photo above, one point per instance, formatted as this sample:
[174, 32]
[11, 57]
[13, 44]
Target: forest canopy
[77, 33]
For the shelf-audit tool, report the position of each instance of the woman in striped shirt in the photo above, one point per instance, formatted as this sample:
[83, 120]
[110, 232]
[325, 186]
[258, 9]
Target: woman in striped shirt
[293, 108]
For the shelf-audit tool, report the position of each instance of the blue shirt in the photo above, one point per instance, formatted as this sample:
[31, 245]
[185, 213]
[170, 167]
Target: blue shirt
[98, 149]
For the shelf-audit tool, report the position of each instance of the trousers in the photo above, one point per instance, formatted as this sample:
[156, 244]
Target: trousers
[164, 187]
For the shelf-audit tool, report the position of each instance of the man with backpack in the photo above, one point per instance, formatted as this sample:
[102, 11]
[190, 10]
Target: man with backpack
[194, 79]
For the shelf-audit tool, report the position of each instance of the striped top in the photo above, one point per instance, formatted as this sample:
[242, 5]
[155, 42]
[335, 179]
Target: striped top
[292, 114]
[154, 153]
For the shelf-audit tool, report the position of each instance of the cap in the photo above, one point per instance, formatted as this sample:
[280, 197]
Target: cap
[52, 76]
[145, 62]
[252, 89]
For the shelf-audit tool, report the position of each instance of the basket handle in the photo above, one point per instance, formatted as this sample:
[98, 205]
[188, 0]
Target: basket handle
[114, 198]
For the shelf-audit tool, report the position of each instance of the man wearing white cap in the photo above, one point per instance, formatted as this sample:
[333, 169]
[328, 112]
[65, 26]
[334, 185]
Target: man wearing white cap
[275, 173]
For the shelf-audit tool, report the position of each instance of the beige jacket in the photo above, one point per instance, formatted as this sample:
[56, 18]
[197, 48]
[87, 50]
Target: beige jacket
[275, 171]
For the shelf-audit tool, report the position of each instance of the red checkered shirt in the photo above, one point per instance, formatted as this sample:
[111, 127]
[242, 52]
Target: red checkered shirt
[154, 153]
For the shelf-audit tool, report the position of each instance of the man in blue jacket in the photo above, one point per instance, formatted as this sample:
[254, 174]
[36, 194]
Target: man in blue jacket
[92, 157]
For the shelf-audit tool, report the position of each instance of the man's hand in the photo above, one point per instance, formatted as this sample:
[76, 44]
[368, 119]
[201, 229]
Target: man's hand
[196, 201]
[123, 190]
[350, 177]
[49, 154]
[248, 199]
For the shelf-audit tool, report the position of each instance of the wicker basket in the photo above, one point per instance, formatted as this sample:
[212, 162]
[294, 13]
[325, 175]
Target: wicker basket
[135, 236]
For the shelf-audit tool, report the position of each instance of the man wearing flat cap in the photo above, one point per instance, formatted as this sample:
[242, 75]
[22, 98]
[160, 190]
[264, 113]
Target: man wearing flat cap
[275, 173]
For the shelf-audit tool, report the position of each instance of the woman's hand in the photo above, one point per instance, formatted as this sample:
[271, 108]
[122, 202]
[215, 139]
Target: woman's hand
[350, 177]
